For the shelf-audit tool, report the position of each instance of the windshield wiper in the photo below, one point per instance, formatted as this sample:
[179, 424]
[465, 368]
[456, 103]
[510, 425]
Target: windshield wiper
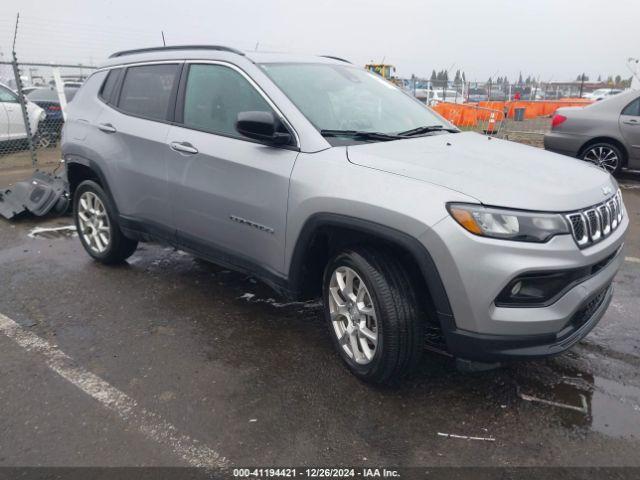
[427, 129]
[358, 134]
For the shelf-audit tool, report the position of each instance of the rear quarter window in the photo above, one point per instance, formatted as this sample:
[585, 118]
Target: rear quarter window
[147, 90]
[108, 87]
[632, 109]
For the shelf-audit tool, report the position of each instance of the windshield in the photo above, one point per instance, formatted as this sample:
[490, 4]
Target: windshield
[337, 97]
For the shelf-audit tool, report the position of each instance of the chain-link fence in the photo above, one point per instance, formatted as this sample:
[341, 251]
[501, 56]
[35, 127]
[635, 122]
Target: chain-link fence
[33, 100]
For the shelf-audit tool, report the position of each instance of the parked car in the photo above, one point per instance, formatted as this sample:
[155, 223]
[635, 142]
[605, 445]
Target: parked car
[437, 95]
[322, 179]
[477, 95]
[47, 99]
[606, 133]
[27, 90]
[12, 125]
[602, 93]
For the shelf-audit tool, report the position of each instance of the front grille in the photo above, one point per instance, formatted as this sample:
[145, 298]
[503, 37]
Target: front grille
[585, 313]
[593, 224]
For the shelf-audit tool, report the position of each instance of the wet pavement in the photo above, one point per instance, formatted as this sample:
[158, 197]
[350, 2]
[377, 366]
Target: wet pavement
[225, 362]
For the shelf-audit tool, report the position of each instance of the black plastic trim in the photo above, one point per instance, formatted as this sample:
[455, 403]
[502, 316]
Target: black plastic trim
[498, 348]
[145, 230]
[580, 275]
[332, 57]
[420, 254]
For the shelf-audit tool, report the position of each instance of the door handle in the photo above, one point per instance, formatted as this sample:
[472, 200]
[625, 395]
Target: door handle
[183, 147]
[631, 122]
[107, 128]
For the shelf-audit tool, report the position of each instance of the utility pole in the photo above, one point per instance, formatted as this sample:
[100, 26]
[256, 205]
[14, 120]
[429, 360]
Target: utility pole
[581, 83]
[23, 103]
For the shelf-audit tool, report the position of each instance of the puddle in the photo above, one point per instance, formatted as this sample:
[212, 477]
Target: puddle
[582, 400]
[66, 231]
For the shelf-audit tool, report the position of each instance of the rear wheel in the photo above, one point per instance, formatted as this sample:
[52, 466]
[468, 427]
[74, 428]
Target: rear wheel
[97, 225]
[604, 155]
[372, 314]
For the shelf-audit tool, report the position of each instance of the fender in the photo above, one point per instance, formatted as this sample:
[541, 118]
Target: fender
[419, 253]
[96, 169]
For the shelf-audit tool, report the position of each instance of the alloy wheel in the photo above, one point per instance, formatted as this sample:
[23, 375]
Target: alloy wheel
[603, 157]
[353, 315]
[94, 222]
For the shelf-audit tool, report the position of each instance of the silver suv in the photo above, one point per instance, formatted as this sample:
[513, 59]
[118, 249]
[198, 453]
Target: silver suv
[320, 178]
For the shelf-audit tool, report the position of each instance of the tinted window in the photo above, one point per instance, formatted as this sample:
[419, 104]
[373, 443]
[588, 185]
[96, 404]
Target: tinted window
[50, 94]
[146, 90]
[215, 95]
[109, 84]
[7, 96]
[633, 108]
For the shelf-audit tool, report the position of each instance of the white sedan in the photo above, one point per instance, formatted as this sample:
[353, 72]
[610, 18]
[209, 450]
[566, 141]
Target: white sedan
[12, 125]
[431, 97]
[602, 93]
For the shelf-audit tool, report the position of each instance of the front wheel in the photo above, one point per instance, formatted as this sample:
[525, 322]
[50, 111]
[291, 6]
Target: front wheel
[604, 155]
[372, 314]
[97, 225]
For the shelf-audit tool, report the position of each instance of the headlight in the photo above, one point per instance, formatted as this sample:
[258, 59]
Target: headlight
[508, 224]
[42, 115]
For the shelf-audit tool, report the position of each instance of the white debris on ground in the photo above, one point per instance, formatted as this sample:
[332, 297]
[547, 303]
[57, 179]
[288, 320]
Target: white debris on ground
[43, 231]
[251, 298]
[582, 409]
[465, 437]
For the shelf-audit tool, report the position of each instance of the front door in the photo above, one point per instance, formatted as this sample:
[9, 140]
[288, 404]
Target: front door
[229, 193]
[630, 127]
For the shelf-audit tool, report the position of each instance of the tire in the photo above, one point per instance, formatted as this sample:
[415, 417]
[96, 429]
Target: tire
[396, 320]
[604, 155]
[97, 225]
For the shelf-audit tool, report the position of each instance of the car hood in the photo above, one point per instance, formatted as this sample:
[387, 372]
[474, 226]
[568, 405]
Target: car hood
[495, 172]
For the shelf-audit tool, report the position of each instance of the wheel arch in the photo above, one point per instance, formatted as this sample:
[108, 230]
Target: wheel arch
[80, 169]
[605, 139]
[324, 234]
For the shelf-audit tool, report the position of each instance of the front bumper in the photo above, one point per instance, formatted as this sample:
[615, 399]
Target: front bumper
[474, 270]
[497, 348]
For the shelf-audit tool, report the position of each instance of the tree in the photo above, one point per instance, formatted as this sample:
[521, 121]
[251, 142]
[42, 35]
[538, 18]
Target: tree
[582, 78]
[457, 79]
[520, 79]
[618, 79]
[599, 78]
[434, 77]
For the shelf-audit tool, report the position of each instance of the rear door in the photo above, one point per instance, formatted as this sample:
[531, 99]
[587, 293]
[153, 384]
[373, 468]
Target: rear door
[4, 120]
[630, 127]
[134, 130]
[229, 192]
[15, 123]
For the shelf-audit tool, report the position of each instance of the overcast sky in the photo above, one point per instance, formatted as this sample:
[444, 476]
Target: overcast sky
[555, 39]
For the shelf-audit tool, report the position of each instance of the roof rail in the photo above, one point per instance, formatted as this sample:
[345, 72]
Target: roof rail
[176, 47]
[336, 58]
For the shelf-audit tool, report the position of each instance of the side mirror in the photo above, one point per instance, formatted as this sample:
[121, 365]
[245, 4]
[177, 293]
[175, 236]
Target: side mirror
[263, 126]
